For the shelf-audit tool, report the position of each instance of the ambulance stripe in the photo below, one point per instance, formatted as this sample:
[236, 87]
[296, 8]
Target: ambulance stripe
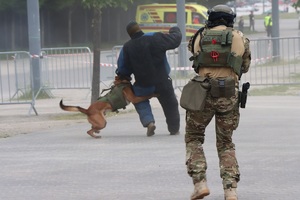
[165, 29]
[156, 7]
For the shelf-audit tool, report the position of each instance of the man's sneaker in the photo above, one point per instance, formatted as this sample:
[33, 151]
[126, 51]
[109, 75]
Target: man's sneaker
[230, 194]
[201, 190]
[175, 133]
[150, 129]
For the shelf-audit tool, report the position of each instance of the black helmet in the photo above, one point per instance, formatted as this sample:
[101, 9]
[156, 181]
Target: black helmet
[221, 13]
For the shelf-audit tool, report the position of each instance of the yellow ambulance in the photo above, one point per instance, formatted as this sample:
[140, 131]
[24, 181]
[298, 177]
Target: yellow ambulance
[160, 17]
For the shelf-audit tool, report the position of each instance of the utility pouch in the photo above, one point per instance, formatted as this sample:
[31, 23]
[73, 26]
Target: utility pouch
[222, 87]
[194, 94]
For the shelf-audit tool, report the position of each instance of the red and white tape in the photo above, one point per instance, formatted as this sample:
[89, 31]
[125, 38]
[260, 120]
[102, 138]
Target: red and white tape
[36, 56]
[107, 65]
[262, 59]
[182, 68]
[173, 68]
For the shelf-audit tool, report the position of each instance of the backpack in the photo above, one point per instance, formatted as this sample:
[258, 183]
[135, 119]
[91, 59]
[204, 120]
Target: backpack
[216, 51]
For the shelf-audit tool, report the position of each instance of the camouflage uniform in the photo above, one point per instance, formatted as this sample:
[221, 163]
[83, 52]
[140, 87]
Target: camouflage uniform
[226, 113]
[227, 118]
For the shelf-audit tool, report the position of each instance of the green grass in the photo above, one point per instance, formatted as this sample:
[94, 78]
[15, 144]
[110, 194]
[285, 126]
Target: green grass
[280, 90]
[282, 15]
[27, 95]
[296, 76]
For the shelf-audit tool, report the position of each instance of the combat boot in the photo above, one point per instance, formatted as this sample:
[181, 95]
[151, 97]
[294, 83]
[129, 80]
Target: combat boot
[201, 190]
[230, 194]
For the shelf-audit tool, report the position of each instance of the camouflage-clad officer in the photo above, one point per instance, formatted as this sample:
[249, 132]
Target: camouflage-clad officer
[221, 54]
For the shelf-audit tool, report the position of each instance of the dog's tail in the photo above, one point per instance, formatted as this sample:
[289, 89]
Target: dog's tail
[72, 108]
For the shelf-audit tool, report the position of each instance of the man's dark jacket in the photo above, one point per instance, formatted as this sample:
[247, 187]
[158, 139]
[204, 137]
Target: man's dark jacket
[145, 56]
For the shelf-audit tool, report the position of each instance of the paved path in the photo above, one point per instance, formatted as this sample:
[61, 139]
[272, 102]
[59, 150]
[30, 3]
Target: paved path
[66, 163]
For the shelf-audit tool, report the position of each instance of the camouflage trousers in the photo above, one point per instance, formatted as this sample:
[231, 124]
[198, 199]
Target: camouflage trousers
[226, 113]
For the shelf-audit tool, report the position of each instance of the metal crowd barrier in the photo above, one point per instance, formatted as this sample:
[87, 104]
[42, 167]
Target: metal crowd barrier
[60, 68]
[16, 85]
[275, 61]
[66, 68]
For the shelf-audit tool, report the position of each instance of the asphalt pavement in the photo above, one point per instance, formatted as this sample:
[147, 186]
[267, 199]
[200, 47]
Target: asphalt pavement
[65, 163]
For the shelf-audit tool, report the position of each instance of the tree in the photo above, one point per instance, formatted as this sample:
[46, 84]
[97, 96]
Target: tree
[210, 4]
[206, 3]
[15, 7]
[69, 6]
[96, 6]
[296, 5]
[13, 31]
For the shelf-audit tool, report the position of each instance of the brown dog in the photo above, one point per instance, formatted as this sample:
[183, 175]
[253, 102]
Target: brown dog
[110, 102]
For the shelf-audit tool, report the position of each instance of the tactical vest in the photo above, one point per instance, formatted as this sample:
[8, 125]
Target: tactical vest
[115, 97]
[216, 51]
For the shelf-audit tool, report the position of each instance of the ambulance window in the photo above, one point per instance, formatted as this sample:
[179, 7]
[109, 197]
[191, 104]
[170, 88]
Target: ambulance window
[170, 17]
[198, 18]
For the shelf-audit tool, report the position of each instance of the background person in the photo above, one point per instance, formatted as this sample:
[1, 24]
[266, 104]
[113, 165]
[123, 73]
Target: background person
[268, 24]
[251, 21]
[223, 105]
[196, 19]
[241, 24]
[144, 56]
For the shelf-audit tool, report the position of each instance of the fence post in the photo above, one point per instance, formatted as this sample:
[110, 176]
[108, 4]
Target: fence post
[34, 41]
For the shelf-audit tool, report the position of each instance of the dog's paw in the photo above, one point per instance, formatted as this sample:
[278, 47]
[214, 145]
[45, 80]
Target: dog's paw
[93, 135]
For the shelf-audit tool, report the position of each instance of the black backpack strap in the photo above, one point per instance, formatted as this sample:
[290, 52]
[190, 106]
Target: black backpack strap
[194, 38]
